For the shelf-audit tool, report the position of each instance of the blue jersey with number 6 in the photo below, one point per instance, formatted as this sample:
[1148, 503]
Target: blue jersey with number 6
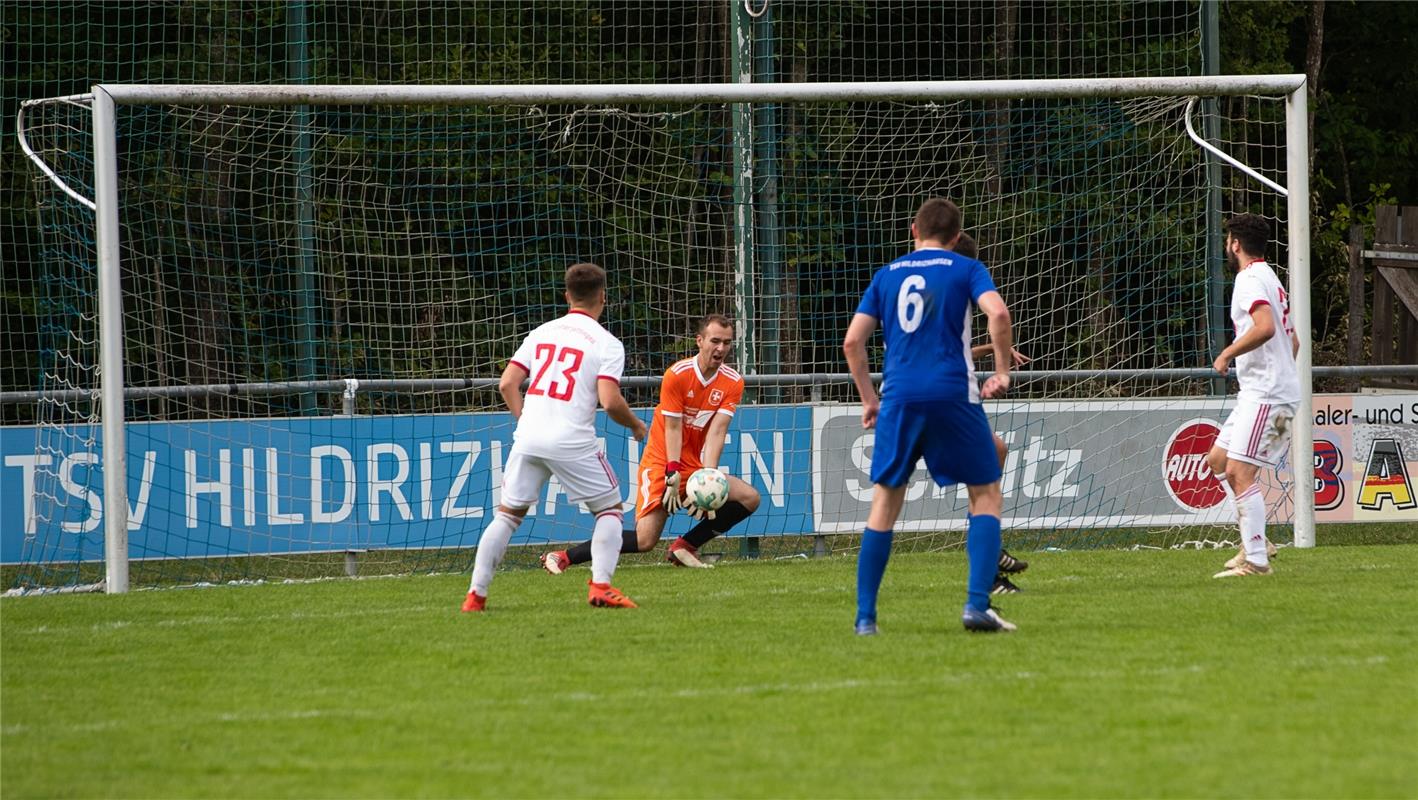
[923, 301]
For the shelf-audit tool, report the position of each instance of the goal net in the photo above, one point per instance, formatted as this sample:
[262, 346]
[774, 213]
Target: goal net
[319, 291]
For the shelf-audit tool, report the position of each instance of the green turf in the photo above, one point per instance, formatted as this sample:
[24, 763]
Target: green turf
[1134, 674]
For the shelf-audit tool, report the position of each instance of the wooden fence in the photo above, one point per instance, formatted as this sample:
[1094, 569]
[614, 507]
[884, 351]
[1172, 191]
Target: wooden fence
[1394, 317]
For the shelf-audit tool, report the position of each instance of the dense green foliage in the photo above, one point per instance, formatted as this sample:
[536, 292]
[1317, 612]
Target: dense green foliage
[1364, 155]
[1133, 674]
[62, 48]
[1365, 125]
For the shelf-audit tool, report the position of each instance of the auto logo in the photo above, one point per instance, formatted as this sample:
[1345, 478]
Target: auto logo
[1188, 476]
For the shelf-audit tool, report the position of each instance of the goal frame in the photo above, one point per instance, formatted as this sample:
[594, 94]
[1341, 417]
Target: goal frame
[106, 97]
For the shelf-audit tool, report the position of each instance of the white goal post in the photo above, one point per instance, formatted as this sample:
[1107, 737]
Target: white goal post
[106, 97]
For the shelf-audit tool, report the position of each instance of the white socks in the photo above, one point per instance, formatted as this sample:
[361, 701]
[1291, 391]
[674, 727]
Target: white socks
[605, 548]
[1250, 515]
[1250, 508]
[1230, 495]
[605, 545]
[491, 548]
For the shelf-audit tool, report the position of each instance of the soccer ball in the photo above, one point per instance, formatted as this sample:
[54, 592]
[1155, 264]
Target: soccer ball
[708, 489]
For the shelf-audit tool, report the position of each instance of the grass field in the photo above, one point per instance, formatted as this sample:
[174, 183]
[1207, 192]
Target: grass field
[1133, 675]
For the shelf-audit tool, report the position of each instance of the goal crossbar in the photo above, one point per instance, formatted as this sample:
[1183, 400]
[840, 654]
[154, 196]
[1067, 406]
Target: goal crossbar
[344, 95]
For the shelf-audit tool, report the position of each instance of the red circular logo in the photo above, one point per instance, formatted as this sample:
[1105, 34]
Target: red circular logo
[1189, 479]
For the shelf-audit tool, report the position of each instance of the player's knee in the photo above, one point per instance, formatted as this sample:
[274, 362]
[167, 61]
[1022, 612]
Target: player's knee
[648, 535]
[515, 512]
[749, 498]
[1216, 459]
[743, 494]
[1240, 475]
[986, 499]
[601, 505]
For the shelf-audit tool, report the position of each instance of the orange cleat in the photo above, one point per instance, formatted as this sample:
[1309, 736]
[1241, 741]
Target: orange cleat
[603, 595]
[475, 602]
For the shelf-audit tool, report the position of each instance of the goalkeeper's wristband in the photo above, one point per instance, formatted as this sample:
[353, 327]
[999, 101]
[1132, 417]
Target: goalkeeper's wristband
[671, 467]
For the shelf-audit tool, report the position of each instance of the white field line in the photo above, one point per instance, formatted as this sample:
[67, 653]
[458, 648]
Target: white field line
[925, 681]
[294, 616]
[197, 719]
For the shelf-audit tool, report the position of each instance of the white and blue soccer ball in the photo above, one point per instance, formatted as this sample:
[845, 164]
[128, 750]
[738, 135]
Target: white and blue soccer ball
[708, 489]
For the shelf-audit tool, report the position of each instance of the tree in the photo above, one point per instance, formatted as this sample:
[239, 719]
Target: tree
[1365, 123]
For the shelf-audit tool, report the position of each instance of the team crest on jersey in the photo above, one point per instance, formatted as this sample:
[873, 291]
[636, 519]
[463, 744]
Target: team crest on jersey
[716, 397]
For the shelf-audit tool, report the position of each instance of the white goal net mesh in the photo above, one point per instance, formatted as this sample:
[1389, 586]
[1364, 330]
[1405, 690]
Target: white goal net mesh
[272, 255]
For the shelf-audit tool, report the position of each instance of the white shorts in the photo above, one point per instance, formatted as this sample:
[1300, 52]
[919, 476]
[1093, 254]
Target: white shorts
[586, 479]
[1258, 433]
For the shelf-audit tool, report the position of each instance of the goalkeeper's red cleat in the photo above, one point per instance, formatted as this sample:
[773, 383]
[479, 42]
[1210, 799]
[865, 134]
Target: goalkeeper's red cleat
[556, 562]
[475, 602]
[683, 554]
[603, 595]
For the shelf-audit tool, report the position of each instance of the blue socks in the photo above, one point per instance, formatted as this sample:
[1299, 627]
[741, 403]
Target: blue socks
[871, 565]
[982, 544]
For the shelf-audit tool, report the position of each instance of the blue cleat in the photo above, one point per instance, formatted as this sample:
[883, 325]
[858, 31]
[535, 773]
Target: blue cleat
[986, 621]
[866, 627]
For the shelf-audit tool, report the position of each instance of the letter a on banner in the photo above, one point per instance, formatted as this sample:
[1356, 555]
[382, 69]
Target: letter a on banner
[1386, 477]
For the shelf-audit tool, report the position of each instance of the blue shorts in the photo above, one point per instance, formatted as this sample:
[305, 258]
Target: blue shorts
[952, 435]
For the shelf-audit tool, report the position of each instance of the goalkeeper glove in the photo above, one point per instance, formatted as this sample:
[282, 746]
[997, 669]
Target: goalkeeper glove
[698, 513]
[671, 500]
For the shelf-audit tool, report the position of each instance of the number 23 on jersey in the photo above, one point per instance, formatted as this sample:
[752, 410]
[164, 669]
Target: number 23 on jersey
[557, 386]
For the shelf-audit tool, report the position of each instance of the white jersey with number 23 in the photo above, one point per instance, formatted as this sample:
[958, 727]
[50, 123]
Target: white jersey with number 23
[566, 359]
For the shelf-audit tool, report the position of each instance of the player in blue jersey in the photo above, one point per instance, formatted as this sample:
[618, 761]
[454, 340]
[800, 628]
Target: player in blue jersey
[923, 302]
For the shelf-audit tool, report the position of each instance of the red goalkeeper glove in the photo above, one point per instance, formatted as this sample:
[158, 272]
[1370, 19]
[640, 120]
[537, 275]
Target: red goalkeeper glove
[671, 500]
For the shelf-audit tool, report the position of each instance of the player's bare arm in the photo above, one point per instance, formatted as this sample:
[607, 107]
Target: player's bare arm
[714, 440]
[674, 438]
[854, 346]
[511, 388]
[674, 444]
[1001, 342]
[1015, 357]
[1260, 333]
[614, 403]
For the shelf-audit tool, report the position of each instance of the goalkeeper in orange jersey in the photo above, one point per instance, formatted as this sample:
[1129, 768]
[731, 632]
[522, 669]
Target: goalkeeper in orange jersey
[698, 397]
[1008, 564]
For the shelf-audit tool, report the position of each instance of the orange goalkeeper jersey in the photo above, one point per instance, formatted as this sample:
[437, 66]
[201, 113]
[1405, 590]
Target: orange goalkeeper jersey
[687, 394]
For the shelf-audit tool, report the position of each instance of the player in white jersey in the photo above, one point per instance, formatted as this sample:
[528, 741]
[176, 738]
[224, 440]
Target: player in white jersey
[573, 363]
[1257, 432]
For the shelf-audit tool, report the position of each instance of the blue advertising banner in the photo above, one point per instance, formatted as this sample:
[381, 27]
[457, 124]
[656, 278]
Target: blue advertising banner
[272, 486]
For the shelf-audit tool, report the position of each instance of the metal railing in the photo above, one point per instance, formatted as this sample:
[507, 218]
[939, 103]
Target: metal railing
[349, 388]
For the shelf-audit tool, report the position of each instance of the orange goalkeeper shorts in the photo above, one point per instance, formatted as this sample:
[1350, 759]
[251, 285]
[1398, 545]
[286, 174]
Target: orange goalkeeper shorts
[650, 482]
